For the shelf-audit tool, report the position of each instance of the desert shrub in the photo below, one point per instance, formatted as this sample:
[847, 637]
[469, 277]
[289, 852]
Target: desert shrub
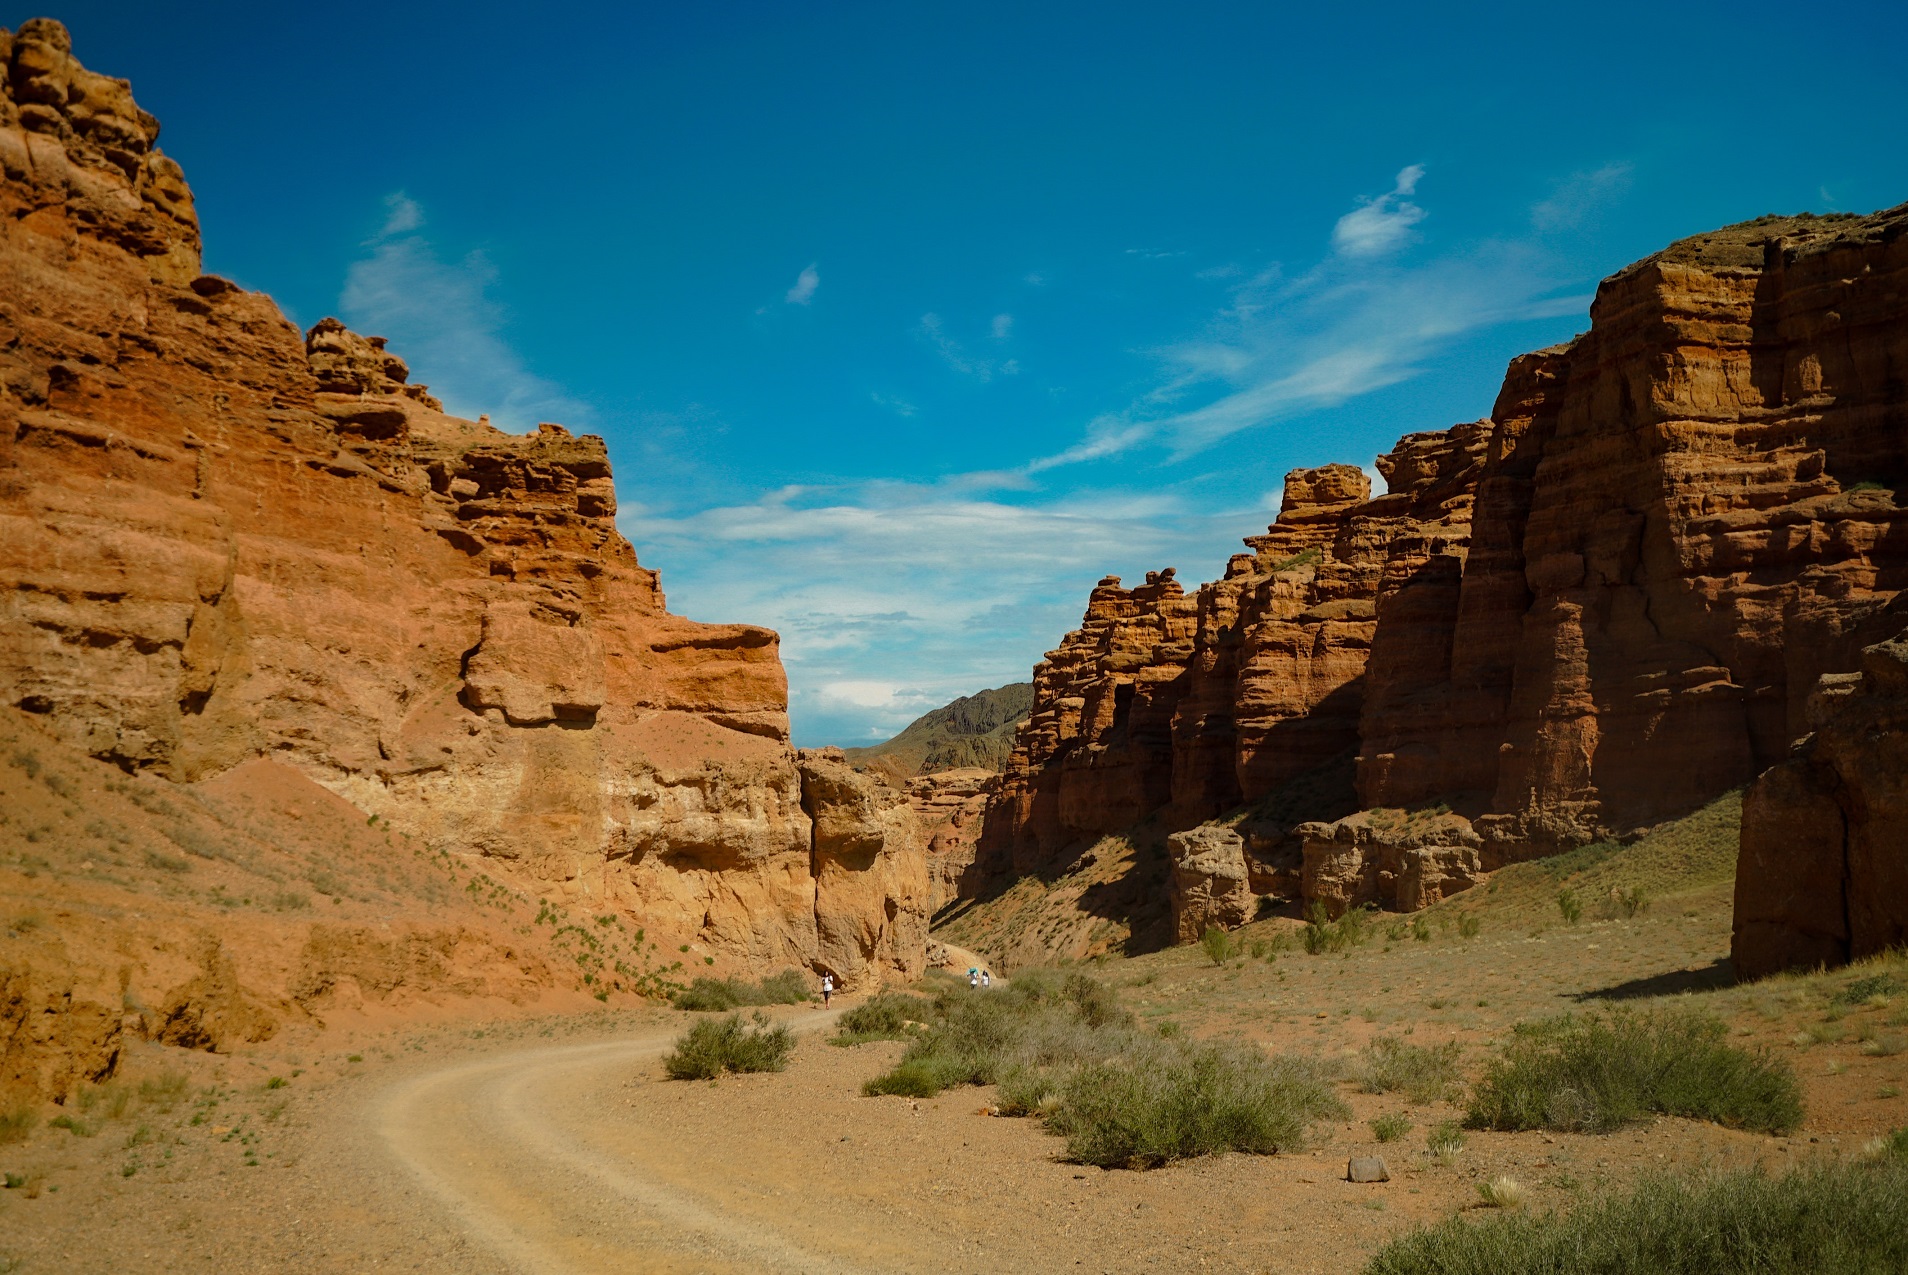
[165, 1090]
[1469, 924]
[16, 1123]
[1626, 901]
[1865, 989]
[1835, 1218]
[1445, 1140]
[1171, 1100]
[722, 994]
[1501, 1193]
[1216, 944]
[1322, 934]
[790, 987]
[1061, 1046]
[883, 1017]
[716, 1045]
[1569, 905]
[1390, 1127]
[167, 862]
[1420, 929]
[1595, 1073]
[1389, 1064]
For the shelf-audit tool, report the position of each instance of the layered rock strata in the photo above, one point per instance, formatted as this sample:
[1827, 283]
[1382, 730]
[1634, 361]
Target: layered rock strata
[949, 806]
[1591, 612]
[223, 539]
[1823, 873]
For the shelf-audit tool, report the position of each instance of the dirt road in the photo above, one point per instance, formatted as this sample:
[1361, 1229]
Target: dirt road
[504, 1145]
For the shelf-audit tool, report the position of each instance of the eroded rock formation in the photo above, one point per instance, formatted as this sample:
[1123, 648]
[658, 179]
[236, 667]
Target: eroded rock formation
[1591, 612]
[223, 539]
[1823, 873]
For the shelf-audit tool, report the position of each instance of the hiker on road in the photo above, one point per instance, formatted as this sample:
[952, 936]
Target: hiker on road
[828, 988]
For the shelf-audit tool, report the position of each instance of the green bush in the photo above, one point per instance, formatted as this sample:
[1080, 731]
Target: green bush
[1060, 1045]
[16, 1123]
[716, 1045]
[1867, 988]
[789, 987]
[1837, 1218]
[1596, 1073]
[1322, 934]
[1570, 905]
[883, 1017]
[1390, 1127]
[1217, 945]
[1423, 1074]
[1171, 1100]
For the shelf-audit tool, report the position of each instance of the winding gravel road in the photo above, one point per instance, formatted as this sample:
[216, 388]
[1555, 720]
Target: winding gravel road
[503, 1145]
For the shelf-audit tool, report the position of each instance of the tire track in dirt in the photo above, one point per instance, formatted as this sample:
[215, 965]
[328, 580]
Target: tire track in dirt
[491, 1141]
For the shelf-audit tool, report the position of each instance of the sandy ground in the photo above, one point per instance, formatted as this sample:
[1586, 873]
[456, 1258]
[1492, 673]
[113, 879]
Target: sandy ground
[555, 1144]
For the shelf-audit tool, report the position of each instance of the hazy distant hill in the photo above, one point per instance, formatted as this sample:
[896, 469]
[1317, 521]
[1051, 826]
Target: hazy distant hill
[975, 730]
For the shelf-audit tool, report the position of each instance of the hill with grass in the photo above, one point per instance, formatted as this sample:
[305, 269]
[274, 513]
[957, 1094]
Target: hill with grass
[975, 730]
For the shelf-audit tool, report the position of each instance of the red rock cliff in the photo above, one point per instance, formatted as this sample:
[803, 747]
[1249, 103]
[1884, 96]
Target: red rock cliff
[1595, 610]
[221, 539]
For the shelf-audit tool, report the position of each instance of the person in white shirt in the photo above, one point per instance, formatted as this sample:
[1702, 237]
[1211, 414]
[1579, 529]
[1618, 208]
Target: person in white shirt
[828, 988]
[987, 980]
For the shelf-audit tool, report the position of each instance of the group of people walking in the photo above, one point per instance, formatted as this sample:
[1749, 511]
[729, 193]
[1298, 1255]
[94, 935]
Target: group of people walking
[977, 978]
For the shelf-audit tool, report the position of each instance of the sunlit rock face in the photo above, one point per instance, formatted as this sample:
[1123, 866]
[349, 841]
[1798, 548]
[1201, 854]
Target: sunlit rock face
[1590, 612]
[221, 539]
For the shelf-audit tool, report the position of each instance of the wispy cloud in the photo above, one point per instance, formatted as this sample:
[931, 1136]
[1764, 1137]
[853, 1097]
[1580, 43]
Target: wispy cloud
[1359, 320]
[894, 403]
[1002, 327]
[892, 598]
[439, 317]
[805, 284]
[1382, 225]
[1581, 196]
[934, 332]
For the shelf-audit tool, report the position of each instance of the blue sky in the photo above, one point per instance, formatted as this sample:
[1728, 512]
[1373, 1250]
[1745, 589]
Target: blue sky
[907, 322]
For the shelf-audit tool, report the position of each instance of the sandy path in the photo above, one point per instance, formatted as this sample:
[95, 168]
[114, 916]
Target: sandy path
[501, 1145]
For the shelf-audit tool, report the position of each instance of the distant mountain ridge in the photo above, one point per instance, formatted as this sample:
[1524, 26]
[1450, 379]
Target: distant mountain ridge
[975, 730]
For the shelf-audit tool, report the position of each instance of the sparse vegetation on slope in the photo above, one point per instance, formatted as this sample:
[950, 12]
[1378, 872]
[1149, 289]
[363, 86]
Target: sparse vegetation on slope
[975, 730]
[1828, 1219]
[1596, 1072]
[786, 988]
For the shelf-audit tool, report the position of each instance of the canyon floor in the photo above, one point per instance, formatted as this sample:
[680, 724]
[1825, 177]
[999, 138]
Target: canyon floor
[553, 1143]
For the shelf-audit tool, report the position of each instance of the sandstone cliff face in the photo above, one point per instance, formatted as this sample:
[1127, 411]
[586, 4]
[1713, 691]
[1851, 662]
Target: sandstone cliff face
[870, 871]
[221, 539]
[1164, 704]
[1823, 873]
[1591, 612]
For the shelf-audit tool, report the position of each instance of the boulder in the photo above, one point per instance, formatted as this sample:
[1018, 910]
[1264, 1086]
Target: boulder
[1211, 885]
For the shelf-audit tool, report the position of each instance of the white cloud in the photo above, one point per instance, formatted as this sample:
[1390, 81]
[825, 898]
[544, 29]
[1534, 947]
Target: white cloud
[1581, 196]
[899, 406]
[893, 598]
[1354, 323]
[402, 214]
[441, 321]
[1382, 225]
[934, 331]
[1003, 327]
[805, 284]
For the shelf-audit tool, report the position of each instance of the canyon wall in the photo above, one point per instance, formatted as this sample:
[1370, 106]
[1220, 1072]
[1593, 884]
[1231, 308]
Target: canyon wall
[1823, 875]
[1593, 611]
[222, 539]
